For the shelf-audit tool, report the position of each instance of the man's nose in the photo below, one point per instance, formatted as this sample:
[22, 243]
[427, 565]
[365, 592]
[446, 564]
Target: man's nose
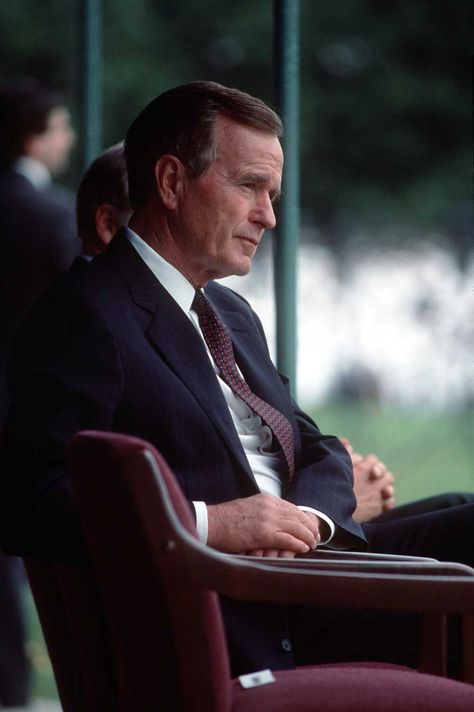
[264, 213]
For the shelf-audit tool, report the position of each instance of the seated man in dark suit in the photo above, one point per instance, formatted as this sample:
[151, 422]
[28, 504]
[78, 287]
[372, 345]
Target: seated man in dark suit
[144, 341]
[102, 207]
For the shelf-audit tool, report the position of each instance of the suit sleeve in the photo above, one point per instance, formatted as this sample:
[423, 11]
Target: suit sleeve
[65, 375]
[324, 481]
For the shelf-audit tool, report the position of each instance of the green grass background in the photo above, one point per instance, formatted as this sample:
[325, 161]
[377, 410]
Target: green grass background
[428, 452]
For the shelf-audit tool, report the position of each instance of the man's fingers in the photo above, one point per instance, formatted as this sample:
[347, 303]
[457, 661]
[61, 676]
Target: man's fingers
[276, 553]
[347, 444]
[306, 531]
[297, 543]
[388, 492]
[377, 468]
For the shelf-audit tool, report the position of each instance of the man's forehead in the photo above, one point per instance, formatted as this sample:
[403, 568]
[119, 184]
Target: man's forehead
[239, 142]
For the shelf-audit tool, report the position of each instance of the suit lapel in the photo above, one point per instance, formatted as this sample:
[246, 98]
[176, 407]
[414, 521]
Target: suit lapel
[176, 340]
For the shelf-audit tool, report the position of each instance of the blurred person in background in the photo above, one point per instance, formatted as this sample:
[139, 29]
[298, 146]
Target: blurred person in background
[38, 242]
[102, 205]
[38, 238]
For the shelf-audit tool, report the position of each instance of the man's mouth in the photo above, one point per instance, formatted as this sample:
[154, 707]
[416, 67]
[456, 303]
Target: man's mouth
[253, 240]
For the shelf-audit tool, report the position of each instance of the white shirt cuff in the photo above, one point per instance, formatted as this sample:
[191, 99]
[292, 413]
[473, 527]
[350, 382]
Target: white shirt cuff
[201, 521]
[325, 518]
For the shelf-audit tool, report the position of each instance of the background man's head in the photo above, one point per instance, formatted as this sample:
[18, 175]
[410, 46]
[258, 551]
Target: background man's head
[34, 122]
[182, 122]
[102, 205]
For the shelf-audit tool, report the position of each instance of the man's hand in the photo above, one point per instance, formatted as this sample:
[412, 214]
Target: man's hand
[262, 525]
[373, 485]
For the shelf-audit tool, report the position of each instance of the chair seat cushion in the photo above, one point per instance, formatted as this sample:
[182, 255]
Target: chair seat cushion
[358, 687]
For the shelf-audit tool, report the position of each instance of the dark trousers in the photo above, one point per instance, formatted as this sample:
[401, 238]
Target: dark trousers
[345, 635]
[429, 504]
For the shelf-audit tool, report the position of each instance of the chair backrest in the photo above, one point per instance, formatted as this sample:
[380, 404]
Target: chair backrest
[55, 625]
[71, 616]
[168, 636]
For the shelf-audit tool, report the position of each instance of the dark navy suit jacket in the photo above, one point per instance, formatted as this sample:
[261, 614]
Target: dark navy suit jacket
[109, 349]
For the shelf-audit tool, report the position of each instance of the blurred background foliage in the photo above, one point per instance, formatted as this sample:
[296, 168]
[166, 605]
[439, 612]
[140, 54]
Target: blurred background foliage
[385, 87]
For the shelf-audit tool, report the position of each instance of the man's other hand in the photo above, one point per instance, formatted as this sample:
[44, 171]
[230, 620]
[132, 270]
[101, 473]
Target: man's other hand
[373, 485]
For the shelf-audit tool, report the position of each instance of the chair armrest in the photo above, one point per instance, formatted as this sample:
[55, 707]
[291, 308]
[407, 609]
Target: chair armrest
[390, 589]
[246, 578]
[423, 588]
[406, 564]
[344, 555]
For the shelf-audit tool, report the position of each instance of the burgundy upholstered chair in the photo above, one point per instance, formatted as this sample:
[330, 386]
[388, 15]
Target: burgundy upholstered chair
[74, 626]
[163, 633]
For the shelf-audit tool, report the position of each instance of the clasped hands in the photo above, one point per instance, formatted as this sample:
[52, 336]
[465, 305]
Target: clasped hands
[373, 485]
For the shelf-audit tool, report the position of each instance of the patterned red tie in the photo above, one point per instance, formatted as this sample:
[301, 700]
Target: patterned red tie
[220, 345]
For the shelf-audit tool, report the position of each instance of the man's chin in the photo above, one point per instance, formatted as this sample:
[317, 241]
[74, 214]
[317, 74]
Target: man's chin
[243, 267]
[239, 268]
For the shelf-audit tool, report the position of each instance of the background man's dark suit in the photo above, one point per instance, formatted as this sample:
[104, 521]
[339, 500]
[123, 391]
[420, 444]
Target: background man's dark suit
[116, 352]
[37, 244]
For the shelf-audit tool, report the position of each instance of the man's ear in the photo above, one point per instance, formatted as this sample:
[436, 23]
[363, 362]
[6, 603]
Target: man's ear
[107, 222]
[168, 175]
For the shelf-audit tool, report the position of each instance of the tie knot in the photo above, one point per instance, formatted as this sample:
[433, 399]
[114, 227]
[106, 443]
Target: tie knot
[200, 303]
[204, 309]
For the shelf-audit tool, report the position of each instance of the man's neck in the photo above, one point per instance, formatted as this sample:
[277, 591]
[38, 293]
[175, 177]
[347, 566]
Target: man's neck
[170, 277]
[156, 232]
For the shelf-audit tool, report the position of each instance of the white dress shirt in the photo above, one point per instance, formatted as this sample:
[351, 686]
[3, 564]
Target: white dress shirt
[268, 467]
[34, 171]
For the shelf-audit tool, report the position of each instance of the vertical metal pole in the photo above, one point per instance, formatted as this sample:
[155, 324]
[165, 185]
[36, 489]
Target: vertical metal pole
[90, 79]
[287, 89]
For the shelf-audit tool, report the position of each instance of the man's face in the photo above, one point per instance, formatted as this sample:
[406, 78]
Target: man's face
[223, 213]
[53, 146]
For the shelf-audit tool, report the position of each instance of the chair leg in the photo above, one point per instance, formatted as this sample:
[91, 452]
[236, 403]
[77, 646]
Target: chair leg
[468, 647]
[433, 644]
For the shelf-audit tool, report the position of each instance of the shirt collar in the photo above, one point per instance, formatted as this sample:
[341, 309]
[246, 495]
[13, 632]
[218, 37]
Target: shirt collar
[34, 171]
[172, 280]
